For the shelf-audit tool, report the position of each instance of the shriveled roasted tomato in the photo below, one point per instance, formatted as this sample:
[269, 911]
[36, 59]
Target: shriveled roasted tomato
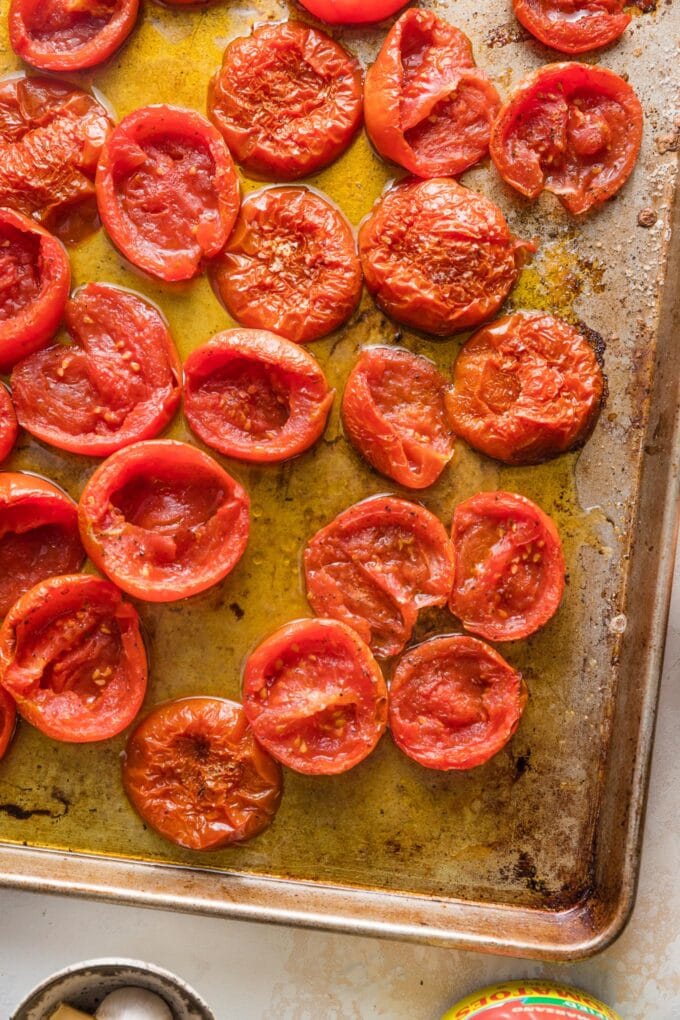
[8, 716]
[8, 424]
[195, 774]
[35, 277]
[315, 697]
[352, 12]
[572, 129]
[427, 107]
[253, 395]
[51, 134]
[167, 190]
[454, 702]
[509, 566]
[72, 657]
[68, 35]
[38, 534]
[393, 411]
[525, 388]
[573, 26]
[163, 520]
[291, 265]
[117, 382]
[438, 257]
[375, 566]
[287, 100]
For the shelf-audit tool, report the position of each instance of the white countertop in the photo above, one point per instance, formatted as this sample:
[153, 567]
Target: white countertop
[252, 972]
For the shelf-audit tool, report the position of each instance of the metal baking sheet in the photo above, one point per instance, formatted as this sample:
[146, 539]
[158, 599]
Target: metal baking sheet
[535, 853]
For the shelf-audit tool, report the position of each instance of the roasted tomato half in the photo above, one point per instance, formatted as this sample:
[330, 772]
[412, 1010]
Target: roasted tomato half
[287, 100]
[72, 657]
[8, 716]
[352, 12]
[9, 428]
[393, 411]
[573, 129]
[255, 396]
[438, 257]
[51, 135]
[291, 265]
[525, 388]
[38, 534]
[454, 702]
[375, 566]
[167, 191]
[195, 773]
[69, 35]
[116, 382]
[163, 520]
[427, 107]
[573, 26]
[315, 697]
[509, 566]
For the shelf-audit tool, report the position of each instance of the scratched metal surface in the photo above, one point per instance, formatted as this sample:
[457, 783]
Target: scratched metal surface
[520, 829]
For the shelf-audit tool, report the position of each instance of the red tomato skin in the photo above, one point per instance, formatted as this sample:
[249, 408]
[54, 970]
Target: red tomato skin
[319, 752]
[122, 368]
[8, 716]
[487, 622]
[550, 91]
[597, 25]
[148, 562]
[402, 450]
[251, 100]
[46, 276]
[417, 225]
[35, 617]
[526, 387]
[47, 56]
[9, 428]
[398, 104]
[194, 772]
[430, 706]
[29, 503]
[314, 289]
[205, 230]
[295, 375]
[352, 12]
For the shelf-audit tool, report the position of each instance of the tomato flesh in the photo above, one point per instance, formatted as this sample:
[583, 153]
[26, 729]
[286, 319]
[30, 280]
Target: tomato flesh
[8, 424]
[8, 715]
[69, 35]
[195, 773]
[117, 382]
[454, 703]
[375, 566]
[290, 266]
[315, 697]
[255, 396]
[573, 26]
[72, 657]
[352, 12]
[509, 566]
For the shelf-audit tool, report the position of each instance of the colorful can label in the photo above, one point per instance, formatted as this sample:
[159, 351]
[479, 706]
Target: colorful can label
[530, 1000]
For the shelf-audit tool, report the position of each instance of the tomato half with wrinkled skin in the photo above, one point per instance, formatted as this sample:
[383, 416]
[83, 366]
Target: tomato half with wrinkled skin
[253, 395]
[525, 388]
[167, 191]
[8, 716]
[352, 12]
[287, 100]
[195, 773]
[73, 659]
[509, 566]
[163, 520]
[35, 277]
[315, 697]
[69, 35]
[454, 702]
[375, 566]
[38, 534]
[393, 412]
[51, 134]
[572, 129]
[427, 107]
[291, 265]
[9, 428]
[117, 382]
[573, 26]
[438, 257]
